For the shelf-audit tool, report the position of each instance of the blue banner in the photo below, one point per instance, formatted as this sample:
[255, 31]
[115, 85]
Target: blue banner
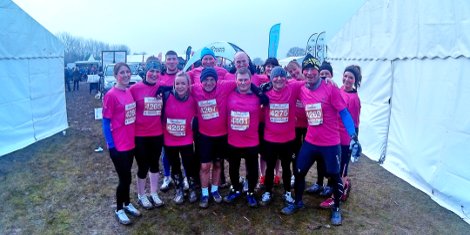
[274, 40]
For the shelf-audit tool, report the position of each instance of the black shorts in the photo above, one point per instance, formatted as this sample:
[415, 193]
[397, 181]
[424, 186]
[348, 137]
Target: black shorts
[212, 148]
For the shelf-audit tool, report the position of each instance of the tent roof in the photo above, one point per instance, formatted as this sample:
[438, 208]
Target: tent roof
[23, 37]
[396, 29]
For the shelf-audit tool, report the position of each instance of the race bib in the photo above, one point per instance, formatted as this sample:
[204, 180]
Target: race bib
[176, 127]
[279, 113]
[208, 109]
[239, 121]
[152, 106]
[314, 114]
[299, 104]
[130, 113]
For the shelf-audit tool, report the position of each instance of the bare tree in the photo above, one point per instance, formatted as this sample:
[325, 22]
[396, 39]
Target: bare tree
[77, 48]
[258, 61]
[295, 51]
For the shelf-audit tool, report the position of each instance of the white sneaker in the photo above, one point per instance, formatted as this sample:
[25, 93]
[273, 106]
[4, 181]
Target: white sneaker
[166, 184]
[144, 202]
[288, 198]
[157, 202]
[186, 183]
[122, 217]
[132, 210]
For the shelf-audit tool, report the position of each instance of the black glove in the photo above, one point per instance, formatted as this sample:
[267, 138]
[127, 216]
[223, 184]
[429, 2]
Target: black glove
[163, 89]
[265, 87]
[263, 99]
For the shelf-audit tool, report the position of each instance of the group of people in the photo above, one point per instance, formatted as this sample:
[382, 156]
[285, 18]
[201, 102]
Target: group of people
[206, 115]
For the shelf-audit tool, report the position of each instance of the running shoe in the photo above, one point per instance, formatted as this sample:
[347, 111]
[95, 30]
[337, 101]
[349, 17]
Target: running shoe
[179, 196]
[315, 188]
[336, 216]
[216, 196]
[250, 198]
[327, 191]
[328, 203]
[122, 217]
[232, 196]
[166, 184]
[185, 183]
[277, 180]
[157, 202]
[192, 196]
[132, 210]
[204, 203]
[292, 208]
[144, 202]
[288, 198]
[266, 198]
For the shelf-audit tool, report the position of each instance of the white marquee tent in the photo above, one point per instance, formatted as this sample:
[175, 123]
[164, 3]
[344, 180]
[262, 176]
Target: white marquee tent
[32, 101]
[415, 58]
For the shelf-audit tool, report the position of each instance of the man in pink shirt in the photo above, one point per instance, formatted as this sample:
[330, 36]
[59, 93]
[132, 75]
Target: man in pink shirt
[208, 59]
[243, 119]
[211, 99]
[279, 130]
[322, 104]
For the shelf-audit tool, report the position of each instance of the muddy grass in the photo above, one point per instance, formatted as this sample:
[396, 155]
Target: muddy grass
[61, 186]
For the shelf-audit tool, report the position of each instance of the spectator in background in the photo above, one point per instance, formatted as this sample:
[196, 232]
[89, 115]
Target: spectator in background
[67, 78]
[76, 79]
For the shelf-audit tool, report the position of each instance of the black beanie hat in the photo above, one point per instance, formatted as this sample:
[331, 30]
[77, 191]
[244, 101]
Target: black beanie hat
[310, 62]
[208, 72]
[326, 66]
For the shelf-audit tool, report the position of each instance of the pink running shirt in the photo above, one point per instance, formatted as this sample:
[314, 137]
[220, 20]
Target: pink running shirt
[149, 109]
[119, 107]
[212, 108]
[243, 119]
[177, 129]
[322, 107]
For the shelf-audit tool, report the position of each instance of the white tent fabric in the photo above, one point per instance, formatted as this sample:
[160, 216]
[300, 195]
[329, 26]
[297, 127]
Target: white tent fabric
[414, 54]
[32, 101]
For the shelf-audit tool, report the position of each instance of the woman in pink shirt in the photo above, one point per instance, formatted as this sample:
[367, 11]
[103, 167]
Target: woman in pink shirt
[119, 131]
[179, 112]
[351, 81]
[148, 133]
[295, 71]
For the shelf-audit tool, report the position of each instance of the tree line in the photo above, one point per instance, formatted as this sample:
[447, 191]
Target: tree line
[78, 48]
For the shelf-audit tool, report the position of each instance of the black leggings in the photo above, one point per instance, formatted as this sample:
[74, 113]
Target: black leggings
[190, 163]
[274, 151]
[300, 133]
[147, 154]
[123, 164]
[345, 158]
[310, 153]
[251, 159]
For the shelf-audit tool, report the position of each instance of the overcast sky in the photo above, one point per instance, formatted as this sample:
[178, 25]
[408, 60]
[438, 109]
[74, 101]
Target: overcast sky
[158, 26]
